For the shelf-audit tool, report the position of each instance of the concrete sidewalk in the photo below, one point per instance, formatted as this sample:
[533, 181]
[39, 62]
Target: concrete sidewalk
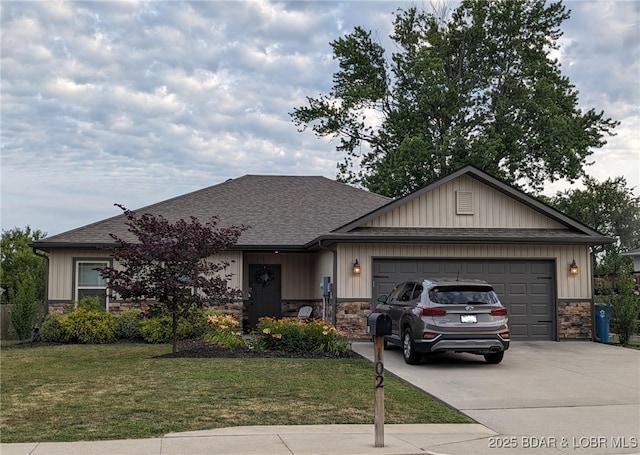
[282, 440]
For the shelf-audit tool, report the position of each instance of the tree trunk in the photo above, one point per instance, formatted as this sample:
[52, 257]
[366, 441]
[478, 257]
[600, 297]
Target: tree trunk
[174, 331]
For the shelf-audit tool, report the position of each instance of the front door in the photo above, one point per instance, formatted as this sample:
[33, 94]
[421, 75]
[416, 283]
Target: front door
[264, 281]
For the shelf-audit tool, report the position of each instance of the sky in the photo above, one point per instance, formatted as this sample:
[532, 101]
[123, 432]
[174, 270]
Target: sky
[136, 102]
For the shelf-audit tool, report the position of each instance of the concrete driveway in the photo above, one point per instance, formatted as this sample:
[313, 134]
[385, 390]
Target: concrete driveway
[569, 397]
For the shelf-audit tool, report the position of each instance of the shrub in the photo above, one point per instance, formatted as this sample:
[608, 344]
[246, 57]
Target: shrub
[626, 306]
[90, 304]
[23, 313]
[193, 325]
[52, 329]
[223, 330]
[89, 323]
[157, 329]
[295, 336]
[128, 325]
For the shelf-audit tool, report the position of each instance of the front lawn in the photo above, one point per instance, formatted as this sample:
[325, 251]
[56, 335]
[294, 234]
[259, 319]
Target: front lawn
[91, 392]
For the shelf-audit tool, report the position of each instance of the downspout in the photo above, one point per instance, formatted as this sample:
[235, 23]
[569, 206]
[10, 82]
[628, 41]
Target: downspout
[46, 278]
[334, 298]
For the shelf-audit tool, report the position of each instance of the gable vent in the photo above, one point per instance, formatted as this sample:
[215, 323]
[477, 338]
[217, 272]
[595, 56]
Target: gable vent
[464, 202]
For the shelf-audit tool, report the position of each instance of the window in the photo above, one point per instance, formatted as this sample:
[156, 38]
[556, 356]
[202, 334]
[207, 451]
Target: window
[89, 282]
[460, 295]
[404, 292]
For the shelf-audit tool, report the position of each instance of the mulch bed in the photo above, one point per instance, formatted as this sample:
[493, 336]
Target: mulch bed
[198, 348]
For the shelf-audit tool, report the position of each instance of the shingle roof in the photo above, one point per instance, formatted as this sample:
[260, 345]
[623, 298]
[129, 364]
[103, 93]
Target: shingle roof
[282, 211]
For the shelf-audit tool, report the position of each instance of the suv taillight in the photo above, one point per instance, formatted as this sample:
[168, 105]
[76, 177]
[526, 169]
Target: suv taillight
[433, 311]
[499, 311]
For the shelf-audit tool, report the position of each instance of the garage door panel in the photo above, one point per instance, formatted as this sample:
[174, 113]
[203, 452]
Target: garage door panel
[517, 289]
[517, 268]
[449, 268]
[525, 287]
[539, 267]
[386, 267]
[540, 331]
[540, 309]
[540, 289]
[495, 268]
[519, 330]
[409, 267]
[430, 268]
[518, 309]
[474, 268]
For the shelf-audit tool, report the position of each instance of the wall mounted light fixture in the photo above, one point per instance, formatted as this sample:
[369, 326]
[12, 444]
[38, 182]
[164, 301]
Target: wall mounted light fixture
[356, 268]
[573, 268]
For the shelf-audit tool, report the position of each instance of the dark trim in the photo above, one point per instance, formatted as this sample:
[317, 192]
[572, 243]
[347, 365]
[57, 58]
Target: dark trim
[332, 239]
[74, 261]
[46, 246]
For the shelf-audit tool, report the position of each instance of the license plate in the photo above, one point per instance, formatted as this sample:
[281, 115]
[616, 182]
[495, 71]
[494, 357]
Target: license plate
[468, 318]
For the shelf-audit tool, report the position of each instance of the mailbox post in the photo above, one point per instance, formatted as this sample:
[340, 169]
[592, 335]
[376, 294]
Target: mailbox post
[378, 325]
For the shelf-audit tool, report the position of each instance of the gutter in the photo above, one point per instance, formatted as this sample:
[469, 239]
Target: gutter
[334, 299]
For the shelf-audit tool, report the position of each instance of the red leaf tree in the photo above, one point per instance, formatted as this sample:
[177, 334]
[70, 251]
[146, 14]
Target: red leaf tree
[172, 263]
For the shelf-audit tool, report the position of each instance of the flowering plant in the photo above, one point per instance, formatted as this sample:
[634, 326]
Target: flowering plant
[300, 336]
[223, 330]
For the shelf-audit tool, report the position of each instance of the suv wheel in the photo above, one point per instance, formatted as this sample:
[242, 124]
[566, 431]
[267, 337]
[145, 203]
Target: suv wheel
[408, 349]
[494, 358]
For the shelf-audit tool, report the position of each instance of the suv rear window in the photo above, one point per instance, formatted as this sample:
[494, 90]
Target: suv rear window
[462, 295]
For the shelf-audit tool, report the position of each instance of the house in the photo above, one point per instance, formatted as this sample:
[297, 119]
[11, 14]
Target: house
[308, 230]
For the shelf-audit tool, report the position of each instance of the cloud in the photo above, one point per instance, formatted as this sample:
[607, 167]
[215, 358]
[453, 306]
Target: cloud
[134, 101]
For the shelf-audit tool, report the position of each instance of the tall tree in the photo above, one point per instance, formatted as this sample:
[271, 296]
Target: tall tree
[480, 88]
[609, 207]
[172, 262]
[19, 266]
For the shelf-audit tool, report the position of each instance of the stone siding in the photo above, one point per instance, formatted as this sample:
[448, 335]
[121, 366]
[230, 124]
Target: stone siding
[59, 308]
[351, 318]
[574, 321]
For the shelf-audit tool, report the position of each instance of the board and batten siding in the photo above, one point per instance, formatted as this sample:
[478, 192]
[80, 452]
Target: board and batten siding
[297, 271]
[360, 286]
[491, 209]
[61, 271]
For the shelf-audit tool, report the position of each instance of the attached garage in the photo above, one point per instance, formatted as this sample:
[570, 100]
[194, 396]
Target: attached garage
[525, 287]
[471, 225]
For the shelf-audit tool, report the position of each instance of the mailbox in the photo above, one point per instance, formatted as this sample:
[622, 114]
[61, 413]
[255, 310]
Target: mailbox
[379, 324]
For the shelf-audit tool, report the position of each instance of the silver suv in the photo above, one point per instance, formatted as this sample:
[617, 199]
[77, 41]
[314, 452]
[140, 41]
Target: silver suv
[446, 315]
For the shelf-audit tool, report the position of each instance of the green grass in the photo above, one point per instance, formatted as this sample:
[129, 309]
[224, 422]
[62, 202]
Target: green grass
[91, 392]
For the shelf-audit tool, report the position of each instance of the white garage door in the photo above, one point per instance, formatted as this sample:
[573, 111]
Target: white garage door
[525, 287]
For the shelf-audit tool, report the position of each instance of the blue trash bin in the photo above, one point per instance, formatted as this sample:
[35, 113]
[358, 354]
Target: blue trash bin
[603, 318]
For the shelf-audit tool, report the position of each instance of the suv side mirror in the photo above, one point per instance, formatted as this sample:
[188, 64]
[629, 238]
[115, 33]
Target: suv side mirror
[382, 298]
